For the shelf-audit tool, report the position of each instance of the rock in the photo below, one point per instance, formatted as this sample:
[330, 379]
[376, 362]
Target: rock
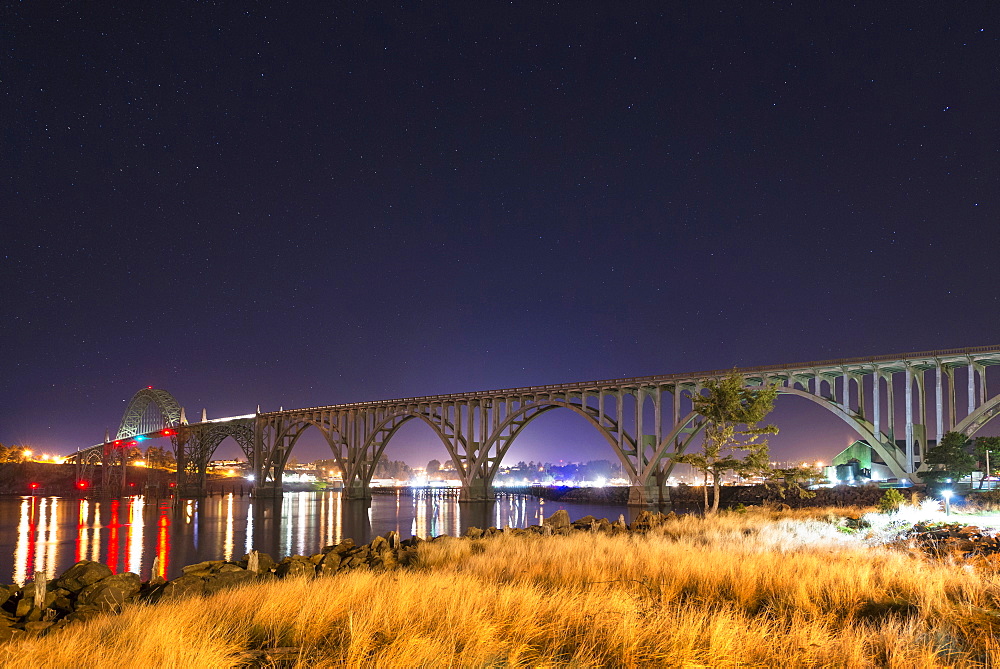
[296, 565]
[379, 544]
[558, 520]
[27, 602]
[345, 546]
[330, 564]
[202, 568]
[227, 579]
[112, 592]
[265, 563]
[83, 614]
[473, 533]
[82, 574]
[182, 586]
[646, 520]
[37, 628]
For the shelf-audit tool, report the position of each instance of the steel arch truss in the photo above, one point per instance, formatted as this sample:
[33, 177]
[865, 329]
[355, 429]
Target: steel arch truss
[138, 419]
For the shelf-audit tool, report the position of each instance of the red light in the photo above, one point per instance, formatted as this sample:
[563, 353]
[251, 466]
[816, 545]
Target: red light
[131, 485]
[167, 433]
[33, 486]
[133, 443]
[172, 485]
[82, 485]
[118, 443]
[149, 387]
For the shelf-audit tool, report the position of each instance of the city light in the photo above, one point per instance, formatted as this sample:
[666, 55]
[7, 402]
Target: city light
[947, 501]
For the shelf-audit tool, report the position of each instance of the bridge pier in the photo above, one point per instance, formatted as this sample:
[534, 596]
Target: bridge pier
[477, 491]
[267, 490]
[357, 490]
[648, 495]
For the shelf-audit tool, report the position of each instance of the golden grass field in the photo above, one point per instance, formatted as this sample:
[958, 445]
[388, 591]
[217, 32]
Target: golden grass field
[755, 589]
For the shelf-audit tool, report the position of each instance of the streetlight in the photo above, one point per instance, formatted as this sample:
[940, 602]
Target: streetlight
[947, 501]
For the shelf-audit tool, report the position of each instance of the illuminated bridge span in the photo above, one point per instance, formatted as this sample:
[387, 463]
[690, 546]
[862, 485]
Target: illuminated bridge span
[887, 400]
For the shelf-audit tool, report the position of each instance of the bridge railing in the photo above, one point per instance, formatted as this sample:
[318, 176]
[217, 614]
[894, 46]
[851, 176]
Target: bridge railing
[664, 378]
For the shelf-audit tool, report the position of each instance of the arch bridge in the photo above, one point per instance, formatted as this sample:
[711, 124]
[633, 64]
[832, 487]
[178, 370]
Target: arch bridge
[888, 400]
[152, 413]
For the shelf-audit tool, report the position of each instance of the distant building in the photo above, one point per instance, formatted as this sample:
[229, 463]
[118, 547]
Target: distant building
[860, 461]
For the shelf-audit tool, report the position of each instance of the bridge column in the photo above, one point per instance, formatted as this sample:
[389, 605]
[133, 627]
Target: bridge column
[876, 404]
[972, 388]
[890, 418]
[982, 384]
[938, 403]
[952, 403]
[909, 419]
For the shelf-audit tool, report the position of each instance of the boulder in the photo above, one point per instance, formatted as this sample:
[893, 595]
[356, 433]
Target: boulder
[329, 564]
[264, 562]
[183, 586]
[82, 574]
[110, 593]
[558, 520]
[227, 579]
[6, 591]
[345, 546]
[37, 628]
[202, 568]
[27, 602]
[296, 565]
[83, 614]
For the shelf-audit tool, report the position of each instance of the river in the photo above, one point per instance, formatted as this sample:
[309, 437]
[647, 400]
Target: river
[50, 534]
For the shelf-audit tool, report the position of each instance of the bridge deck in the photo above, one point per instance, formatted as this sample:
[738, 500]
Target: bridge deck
[952, 357]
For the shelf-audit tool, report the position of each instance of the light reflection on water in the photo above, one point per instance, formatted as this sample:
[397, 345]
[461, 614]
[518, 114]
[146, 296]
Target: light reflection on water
[50, 534]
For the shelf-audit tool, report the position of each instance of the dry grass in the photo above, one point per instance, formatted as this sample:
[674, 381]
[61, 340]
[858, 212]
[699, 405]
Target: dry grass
[759, 589]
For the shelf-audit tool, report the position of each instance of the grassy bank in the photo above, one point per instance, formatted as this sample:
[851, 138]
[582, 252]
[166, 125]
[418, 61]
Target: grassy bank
[760, 588]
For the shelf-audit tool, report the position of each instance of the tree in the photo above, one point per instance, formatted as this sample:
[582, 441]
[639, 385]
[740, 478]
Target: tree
[950, 459]
[729, 405]
[792, 481]
[989, 448]
[433, 467]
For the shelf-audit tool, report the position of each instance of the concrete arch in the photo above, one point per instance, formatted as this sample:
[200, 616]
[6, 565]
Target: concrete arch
[132, 419]
[387, 427]
[293, 430]
[242, 434]
[979, 418]
[861, 426]
[539, 408]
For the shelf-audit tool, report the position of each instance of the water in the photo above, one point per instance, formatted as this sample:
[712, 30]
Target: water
[50, 534]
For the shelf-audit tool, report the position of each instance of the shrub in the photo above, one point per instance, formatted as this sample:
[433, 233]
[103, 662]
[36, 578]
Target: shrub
[891, 501]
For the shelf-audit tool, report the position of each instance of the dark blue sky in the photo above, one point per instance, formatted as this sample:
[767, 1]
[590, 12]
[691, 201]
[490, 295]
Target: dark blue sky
[298, 204]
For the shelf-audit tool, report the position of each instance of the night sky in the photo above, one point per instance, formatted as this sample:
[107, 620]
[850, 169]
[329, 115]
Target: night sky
[294, 205]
